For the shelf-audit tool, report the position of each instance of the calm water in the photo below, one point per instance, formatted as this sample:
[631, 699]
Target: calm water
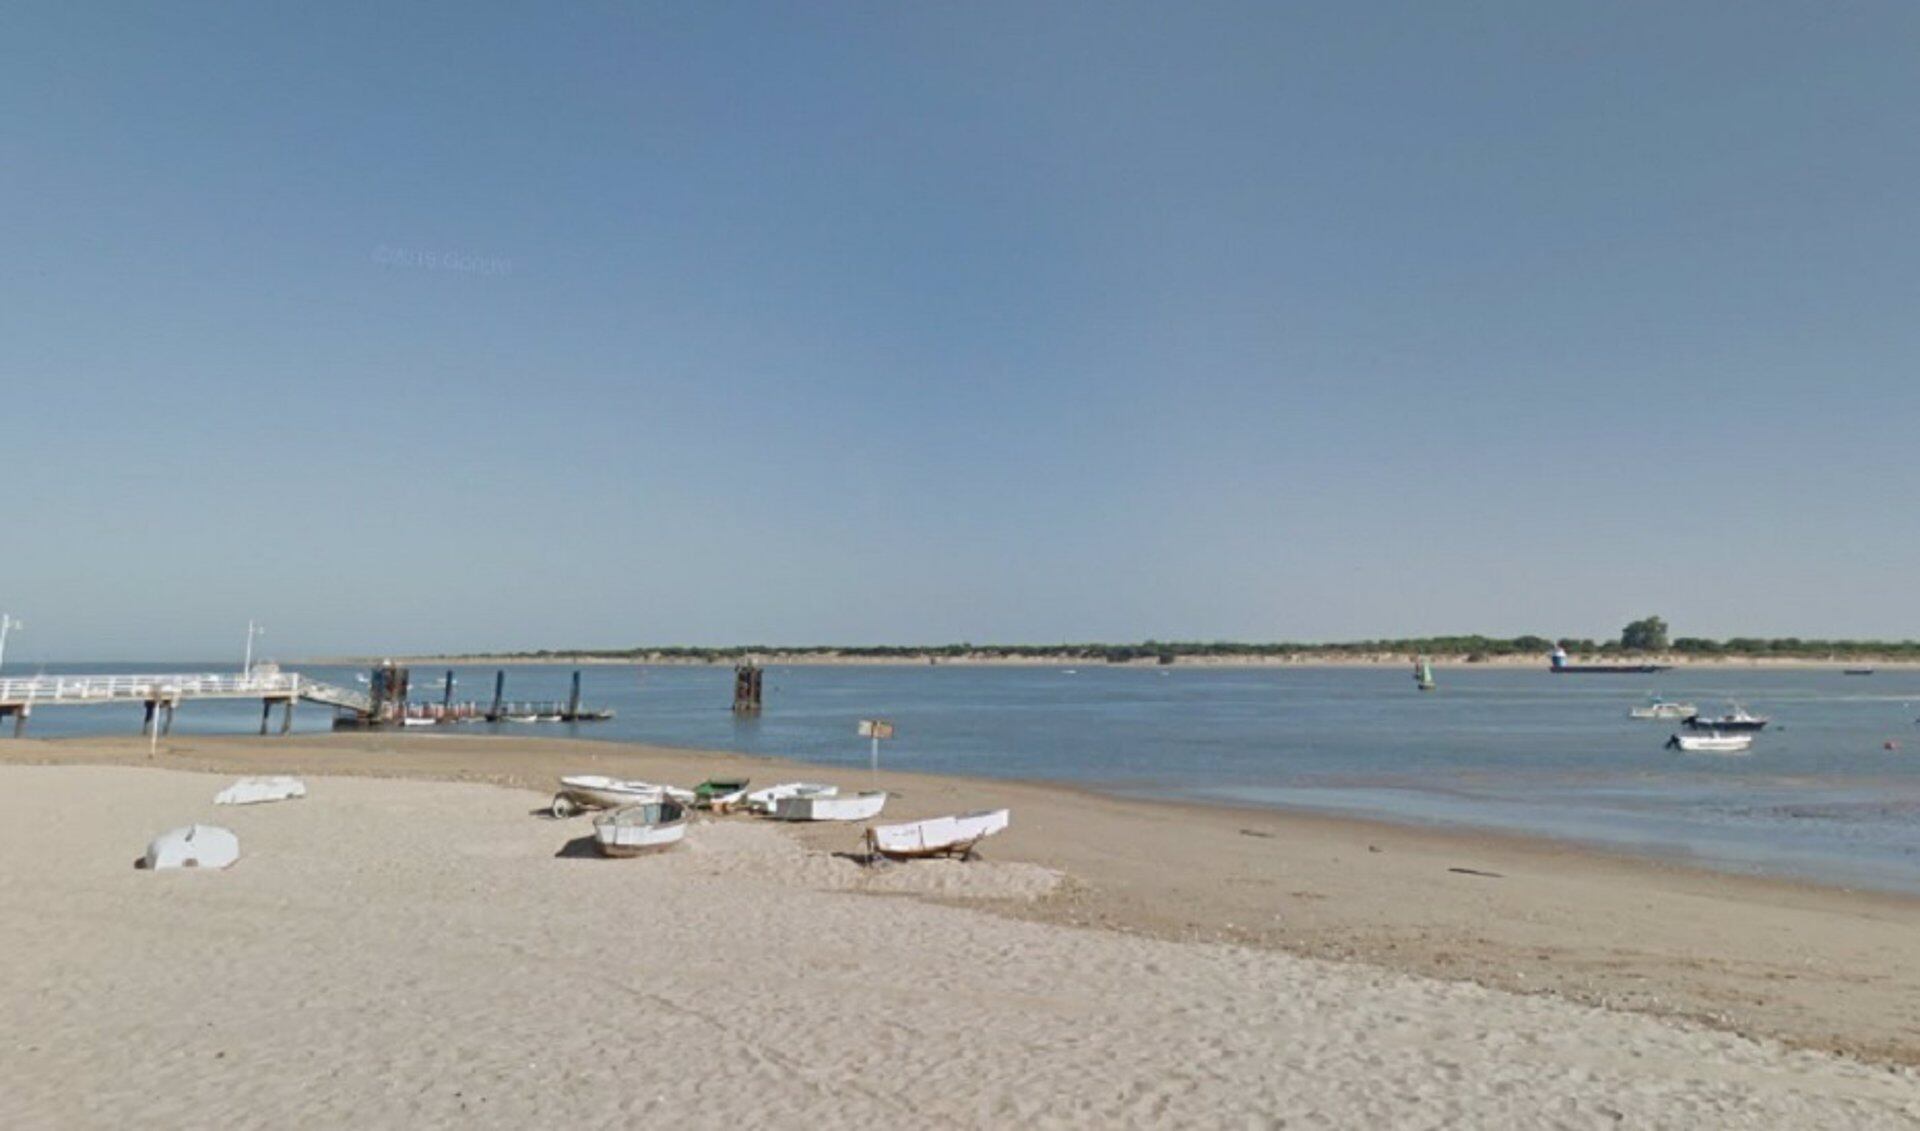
[1517, 750]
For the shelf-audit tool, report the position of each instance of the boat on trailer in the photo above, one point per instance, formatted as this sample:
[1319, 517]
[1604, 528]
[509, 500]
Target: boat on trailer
[1713, 742]
[830, 806]
[939, 836]
[635, 830]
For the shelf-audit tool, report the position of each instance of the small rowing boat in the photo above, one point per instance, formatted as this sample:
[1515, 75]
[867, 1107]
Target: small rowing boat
[592, 791]
[638, 829]
[940, 836]
[830, 806]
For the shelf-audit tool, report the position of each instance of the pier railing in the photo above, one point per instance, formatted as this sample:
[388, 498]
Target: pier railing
[56, 690]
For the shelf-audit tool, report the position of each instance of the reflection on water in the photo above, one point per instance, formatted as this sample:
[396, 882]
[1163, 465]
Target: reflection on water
[1520, 750]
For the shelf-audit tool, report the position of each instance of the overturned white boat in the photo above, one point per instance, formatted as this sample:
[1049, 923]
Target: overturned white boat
[195, 846]
[1712, 742]
[592, 791]
[939, 836]
[830, 806]
[256, 791]
[638, 829]
[764, 800]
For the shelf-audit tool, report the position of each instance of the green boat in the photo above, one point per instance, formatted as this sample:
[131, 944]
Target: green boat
[706, 791]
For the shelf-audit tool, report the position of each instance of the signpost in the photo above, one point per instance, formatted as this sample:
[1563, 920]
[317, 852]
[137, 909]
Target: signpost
[875, 729]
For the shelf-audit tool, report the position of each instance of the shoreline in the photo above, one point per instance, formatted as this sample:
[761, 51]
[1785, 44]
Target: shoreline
[1095, 663]
[1813, 965]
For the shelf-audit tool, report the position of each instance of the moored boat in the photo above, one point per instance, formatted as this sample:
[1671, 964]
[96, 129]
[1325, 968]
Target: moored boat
[635, 829]
[1711, 743]
[1423, 674]
[1737, 718]
[1559, 664]
[830, 806]
[939, 836]
[1658, 708]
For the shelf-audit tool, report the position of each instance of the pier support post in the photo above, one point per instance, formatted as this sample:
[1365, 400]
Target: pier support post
[148, 723]
[286, 718]
[20, 715]
[166, 726]
[266, 714]
[746, 688]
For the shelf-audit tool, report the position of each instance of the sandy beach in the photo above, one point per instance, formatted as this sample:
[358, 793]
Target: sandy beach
[431, 952]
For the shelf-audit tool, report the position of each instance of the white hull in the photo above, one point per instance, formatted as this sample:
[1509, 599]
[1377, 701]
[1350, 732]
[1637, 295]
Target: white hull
[940, 836]
[1664, 711]
[640, 829]
[815, 807]
[1713, 743]
[591, 791]
[764, 800]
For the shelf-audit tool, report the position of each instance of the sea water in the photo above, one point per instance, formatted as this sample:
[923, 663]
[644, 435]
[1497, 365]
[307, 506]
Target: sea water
[1819, 797]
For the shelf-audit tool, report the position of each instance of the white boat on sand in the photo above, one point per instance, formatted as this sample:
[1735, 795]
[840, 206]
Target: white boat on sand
[592, 791]
[939, 836]
[637, 829]
[763, 800]
[830, 806]
[1712, 742]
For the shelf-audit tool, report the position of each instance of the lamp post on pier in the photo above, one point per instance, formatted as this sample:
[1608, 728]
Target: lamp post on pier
[253, 629]
[7, 624]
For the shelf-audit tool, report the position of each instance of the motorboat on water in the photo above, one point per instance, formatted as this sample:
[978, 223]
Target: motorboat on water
[634, 830]
[1737, 718]
[830, 807]
[939, 836]
[1713, 742]
[592, 791]
[1658, 708]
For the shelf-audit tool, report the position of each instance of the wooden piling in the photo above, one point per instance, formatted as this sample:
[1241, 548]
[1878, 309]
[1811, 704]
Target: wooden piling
[286, 718]
[266, 715]
[746, 689]
[20, 715]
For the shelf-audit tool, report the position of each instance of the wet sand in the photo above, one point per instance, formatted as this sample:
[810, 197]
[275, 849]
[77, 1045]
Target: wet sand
[1816, 967]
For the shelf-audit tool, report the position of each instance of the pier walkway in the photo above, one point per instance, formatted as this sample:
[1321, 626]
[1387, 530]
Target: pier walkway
[164, 693]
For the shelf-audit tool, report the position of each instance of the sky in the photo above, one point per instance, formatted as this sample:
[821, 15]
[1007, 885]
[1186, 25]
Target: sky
[467, 326]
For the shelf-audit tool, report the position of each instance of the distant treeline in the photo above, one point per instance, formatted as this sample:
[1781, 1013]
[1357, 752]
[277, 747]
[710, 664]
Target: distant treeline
[1471, 648]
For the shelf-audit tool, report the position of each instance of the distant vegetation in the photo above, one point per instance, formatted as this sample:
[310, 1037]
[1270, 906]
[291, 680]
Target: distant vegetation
[1648, 635]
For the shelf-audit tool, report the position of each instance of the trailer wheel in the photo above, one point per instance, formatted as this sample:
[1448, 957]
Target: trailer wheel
[563, 807]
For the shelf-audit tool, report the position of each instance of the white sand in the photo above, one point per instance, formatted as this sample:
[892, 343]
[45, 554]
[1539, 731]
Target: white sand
[392, 953]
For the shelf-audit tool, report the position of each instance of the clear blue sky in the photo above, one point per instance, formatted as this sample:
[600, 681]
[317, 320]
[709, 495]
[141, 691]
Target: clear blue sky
[911, 322]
